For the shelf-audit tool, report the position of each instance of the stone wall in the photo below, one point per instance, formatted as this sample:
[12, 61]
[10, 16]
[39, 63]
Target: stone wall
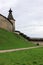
[13, 24]
[5, 24]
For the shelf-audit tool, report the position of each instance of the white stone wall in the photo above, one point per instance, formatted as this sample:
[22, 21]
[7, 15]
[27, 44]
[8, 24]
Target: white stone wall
[5, 24]
[13, 24]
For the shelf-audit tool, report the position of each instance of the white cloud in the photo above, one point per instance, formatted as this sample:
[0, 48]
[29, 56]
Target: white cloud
[26, 13]
[31, 13]
[7, 3]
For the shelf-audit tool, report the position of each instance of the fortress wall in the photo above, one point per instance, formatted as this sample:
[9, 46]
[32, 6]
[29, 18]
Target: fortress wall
[13, 24]
[5, 24]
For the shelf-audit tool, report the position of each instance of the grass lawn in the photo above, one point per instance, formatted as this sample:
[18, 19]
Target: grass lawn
[27, 57]
[9, 40]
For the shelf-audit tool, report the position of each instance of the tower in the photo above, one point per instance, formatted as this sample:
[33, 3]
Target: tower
[10, 17]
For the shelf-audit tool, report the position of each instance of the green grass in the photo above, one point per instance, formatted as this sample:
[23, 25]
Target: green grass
[27, 57]
[9, 40]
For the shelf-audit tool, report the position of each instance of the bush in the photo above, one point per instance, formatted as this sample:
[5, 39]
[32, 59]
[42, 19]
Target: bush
[37, 44]
[34, 62]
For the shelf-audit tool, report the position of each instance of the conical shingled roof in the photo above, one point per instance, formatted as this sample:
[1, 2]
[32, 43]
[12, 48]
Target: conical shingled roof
[10, 16]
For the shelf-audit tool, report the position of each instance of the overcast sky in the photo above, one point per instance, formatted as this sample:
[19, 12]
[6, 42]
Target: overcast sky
[27, 13]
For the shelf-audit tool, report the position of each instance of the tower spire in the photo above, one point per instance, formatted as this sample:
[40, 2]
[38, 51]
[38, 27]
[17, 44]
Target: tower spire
[10, 16]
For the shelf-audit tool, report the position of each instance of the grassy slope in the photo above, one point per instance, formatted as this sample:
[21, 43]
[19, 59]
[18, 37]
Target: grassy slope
[27, 57]
[10, 40]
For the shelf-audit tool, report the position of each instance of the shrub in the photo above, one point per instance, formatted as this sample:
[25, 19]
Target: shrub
[37, 44]
[34, 62]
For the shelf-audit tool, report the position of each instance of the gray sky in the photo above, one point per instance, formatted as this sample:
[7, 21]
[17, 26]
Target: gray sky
[28, 15]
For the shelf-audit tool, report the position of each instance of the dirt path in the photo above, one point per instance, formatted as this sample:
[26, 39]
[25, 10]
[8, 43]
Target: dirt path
[13, 50]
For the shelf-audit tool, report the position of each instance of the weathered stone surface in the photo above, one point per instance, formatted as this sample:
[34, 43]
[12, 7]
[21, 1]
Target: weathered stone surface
[5, 24]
